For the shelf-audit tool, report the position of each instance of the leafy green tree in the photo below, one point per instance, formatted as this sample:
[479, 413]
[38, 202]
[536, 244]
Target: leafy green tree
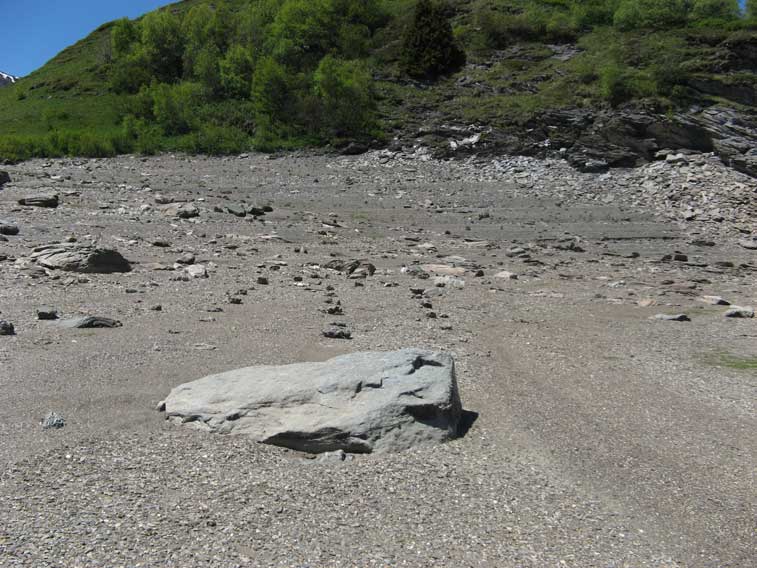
[124, 36]
[236, 72]
[751, 9]
[271, 96]
[163, 45]
[713, 10]
[196, 29]
[175, 106]
[301, 34]
[344, 89]
[429, 48]
[207, 70]
[650, 14]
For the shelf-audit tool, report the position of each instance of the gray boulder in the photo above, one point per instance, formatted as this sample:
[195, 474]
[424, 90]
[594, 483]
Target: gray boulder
[358, 403]
[4, 178]
[72, 257]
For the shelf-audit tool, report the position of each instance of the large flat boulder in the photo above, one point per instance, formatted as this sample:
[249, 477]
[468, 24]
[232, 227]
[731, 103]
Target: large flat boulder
[360, 403]
[73, 257]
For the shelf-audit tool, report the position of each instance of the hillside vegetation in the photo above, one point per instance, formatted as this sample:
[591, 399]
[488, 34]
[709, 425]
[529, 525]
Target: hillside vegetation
[223, 76]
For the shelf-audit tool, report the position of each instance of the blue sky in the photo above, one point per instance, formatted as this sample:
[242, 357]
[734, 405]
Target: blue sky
[34, 31]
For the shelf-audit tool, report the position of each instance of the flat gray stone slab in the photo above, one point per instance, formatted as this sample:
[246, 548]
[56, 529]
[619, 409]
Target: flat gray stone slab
[360, 403]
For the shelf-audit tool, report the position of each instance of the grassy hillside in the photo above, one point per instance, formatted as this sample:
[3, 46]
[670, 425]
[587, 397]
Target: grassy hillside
[225, 75]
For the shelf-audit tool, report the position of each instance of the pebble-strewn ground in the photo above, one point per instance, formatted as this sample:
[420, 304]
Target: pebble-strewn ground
[605, 437]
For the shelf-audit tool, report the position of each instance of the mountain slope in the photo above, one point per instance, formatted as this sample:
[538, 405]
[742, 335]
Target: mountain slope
[6, 79]
[541, 77]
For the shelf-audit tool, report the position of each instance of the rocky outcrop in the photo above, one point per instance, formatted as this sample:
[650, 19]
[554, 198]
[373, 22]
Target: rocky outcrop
[359, 403]
[6, 79]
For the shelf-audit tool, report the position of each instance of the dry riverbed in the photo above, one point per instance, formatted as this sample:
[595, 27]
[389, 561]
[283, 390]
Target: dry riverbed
[605, 436]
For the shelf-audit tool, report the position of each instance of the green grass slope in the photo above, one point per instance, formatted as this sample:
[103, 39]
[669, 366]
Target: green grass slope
[288, 73]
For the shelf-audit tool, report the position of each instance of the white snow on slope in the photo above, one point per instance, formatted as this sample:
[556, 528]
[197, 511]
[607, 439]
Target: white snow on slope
[5, 78]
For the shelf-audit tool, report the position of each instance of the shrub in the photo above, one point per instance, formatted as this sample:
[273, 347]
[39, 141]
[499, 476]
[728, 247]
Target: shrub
[614, 83]
[650, 14]
[271, 96]
[216, 140]
[236, 72]
[344, 90]
[715, 10]
[174, 106]
[163, 45]
[429, 49]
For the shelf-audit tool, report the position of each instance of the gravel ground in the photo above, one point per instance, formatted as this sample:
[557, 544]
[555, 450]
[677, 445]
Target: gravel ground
[602, 438]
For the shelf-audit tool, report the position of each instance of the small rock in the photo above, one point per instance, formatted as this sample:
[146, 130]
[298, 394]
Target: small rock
[196, 271]
[4, 178]
[505, 275]
[42, 200]
[8, 228]
[52, 420]
[186, 258]
[334, 457]
[6, 328]
[740, 312]
[262, 280]
[335, 332]
[750, 244]
[46, 313]
[715, 301]
[181, 210]
[162, 243]
[90, 322]
[161, 199]
[673, 317]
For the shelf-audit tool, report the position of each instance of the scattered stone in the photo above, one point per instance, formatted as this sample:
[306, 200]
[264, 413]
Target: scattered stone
[5, 177]
[52, 421]
[505, 275]
[42, 200]
[358, 403]
[673, 317]
[181, 210]
[359, 268]
[715, 301]
[7, 228]
[196, 271]
[162, 243]
[336, 332]
[334, 457]
[740, 312]
[749, 244]
[6, 328]
[71, 257]
[237, 210]
[678, 257]
[89, 322]
[186, 258]
[161, 199]
[47, 314]
[443, 269]
[262, 280]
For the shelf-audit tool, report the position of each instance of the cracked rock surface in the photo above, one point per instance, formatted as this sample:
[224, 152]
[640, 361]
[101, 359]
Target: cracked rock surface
[359, 403]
